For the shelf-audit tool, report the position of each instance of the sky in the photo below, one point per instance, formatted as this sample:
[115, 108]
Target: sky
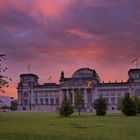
[56, 35]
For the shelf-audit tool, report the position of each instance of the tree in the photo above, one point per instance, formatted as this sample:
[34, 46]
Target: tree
[129, 106]
[79, 101]
[14, 105]
[100, 105]
[66, 108]
[4, 80]
[137, 102]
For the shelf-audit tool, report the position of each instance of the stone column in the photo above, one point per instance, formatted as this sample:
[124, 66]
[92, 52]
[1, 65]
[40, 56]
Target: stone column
[67, 93]
[73, 96]
[109, 98]
[61, 95]
[54, 98]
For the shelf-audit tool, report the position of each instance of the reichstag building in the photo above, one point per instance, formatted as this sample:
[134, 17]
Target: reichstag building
[47, 97]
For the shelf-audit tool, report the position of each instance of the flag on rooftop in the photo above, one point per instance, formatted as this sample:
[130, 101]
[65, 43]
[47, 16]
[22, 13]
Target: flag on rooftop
[50, 78]
[134, 61]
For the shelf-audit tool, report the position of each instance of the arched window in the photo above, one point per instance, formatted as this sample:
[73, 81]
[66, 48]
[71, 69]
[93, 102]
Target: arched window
[113, 100]
[119, 103]
[41, 101]
[36, 101]
[25, 101]
[25, 94]
[57, 101]
[52, 101]
[134, 76]
[47, 101]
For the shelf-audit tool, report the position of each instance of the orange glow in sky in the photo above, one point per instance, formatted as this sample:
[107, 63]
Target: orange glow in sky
[56, 35]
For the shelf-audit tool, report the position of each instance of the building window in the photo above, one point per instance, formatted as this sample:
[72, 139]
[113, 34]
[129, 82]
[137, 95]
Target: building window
[25, 101]
[107, 100]
[57, 101]
[113, 100]
[25, 94]
[20, 91]
[52, 101]
[119, 103]
[41, 101]
[137, 92]
[47, 101]
[113, 108]
[24, 108]
[35, 94]
[134, 76]
[36, 101]
[137, 76]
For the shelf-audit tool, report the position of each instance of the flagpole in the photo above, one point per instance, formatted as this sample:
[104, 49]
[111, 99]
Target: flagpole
[50, 79]
[136, 63]
[29, 68]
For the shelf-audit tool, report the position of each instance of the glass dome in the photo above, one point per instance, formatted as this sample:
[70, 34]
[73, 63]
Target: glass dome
[85, 73]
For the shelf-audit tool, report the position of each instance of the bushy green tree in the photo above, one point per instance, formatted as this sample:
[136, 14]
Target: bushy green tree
[66, 108]
[13, 106]
[4, 80]
[137, 102]
[79, 101]
[128, 105]
[100, 105]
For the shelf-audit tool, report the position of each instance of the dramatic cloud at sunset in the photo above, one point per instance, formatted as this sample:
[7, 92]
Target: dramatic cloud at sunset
[56, 35]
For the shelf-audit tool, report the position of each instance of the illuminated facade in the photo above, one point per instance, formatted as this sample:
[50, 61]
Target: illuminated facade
[47, 97]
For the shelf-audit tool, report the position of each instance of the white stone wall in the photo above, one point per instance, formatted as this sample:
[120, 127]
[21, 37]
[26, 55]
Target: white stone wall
[112, 94]
[39, 94]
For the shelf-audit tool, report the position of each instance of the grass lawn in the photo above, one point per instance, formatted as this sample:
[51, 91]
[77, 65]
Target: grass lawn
[49, 126]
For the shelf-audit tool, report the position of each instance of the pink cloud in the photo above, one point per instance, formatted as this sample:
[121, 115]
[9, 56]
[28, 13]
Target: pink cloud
[55, 35]
[49, 7]
[79, 32]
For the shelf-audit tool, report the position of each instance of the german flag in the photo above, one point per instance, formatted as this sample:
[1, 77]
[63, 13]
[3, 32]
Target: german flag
[90, 83]
[134, 61]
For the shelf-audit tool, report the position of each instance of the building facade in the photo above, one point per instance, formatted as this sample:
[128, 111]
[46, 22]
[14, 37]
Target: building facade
[5, 103]
[47, 97]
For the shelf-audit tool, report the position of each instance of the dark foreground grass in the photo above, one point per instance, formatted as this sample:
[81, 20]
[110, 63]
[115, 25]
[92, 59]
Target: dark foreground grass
[47, 126]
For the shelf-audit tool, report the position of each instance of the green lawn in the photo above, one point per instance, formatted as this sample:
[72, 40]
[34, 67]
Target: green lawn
[48, 126]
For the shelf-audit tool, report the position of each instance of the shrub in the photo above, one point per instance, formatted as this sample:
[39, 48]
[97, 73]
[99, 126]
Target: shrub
[66, 108]
[100, 105]
[129, 105]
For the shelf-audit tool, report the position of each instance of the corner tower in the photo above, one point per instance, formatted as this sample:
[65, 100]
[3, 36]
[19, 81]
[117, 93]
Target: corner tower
[25, 88]
[134, 75]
